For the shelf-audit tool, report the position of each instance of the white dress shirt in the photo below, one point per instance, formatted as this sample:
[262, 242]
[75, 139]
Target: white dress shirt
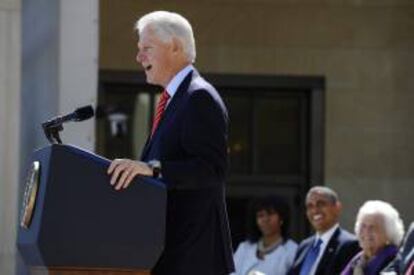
[325, 237]
[172, 86]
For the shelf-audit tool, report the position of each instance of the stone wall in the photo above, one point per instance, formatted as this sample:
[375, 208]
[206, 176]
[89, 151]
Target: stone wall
[10, 13]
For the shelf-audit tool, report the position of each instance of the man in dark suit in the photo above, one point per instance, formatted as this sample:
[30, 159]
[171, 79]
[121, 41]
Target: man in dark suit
[187, 150]
[330, 249]
[407, 250]
[405, 257]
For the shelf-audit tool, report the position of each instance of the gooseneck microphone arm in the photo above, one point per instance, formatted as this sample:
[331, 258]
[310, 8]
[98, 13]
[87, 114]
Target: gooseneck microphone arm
[53, 126]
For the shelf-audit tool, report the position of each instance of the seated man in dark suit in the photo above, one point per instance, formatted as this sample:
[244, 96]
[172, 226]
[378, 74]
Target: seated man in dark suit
[407, 251]
[405, 258]
[330, 249]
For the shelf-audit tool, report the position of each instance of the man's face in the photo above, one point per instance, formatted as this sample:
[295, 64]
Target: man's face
[156, 57]
[322, 212]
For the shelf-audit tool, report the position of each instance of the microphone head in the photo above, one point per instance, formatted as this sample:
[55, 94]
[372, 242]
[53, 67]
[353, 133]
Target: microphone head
[83, 113]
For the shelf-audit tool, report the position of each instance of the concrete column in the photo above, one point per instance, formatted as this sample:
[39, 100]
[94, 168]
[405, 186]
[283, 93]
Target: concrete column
[59, 69]
[10, 14]
[78, 66]
[60, 49]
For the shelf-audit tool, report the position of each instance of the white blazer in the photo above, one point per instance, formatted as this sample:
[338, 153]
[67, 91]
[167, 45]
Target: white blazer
[278, 262]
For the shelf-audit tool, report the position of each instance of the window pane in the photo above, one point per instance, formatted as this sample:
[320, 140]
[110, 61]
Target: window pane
[141, 120]
[239, 128]
[278, 144]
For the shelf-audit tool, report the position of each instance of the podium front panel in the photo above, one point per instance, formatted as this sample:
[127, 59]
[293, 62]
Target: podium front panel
[80, 220]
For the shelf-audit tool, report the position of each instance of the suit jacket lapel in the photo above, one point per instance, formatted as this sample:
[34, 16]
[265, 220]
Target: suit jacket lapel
[329, 253]
[171, 107]
[145, 149]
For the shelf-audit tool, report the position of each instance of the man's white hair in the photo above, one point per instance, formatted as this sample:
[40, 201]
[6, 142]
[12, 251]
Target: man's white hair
[393, 225]
[168, 25]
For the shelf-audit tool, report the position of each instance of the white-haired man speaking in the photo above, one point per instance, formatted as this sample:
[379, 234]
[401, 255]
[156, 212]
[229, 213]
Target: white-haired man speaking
[187, 150]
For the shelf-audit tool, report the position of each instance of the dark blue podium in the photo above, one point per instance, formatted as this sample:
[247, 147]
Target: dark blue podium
[73, 219]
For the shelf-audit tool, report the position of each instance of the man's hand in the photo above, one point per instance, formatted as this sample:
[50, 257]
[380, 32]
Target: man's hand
[124, 170]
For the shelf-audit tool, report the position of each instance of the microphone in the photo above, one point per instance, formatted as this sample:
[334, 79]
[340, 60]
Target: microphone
[79, 114]
[53, 126]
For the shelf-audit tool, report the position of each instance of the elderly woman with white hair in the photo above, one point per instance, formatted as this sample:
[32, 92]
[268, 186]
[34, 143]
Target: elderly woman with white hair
[379, 230]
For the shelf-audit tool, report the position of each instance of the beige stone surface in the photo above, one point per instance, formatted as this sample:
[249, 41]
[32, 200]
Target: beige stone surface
[10, 5]
[9, 130]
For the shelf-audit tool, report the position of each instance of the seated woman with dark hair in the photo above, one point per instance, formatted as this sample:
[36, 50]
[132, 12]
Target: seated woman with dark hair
[268, 249]
[379, 230]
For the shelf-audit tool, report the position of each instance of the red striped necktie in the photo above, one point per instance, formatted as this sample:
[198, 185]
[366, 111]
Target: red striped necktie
[160, 110]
